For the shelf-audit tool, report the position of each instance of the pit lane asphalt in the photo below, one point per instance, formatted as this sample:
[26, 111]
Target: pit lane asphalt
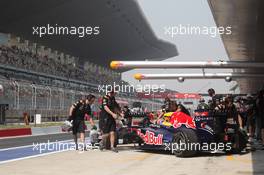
[130, 161]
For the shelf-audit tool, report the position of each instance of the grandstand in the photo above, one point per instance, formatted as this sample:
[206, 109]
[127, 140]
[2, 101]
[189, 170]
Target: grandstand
[37, 80]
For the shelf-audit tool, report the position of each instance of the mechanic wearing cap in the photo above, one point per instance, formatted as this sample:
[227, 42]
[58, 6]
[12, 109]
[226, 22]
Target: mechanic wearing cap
[202, 105]
[107, 123]
[77, 113]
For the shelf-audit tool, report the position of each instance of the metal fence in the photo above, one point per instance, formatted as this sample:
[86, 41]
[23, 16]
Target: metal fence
[51, 102]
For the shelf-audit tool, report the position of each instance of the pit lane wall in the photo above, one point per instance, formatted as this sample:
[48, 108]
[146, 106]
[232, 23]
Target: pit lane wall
[34, 131]
[30, 131]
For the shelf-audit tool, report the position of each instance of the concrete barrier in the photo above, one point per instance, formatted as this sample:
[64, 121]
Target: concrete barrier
[34, 131]
[15, 132]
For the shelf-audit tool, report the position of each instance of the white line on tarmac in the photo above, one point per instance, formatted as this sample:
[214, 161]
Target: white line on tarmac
[34, 156]
[23, 136]
[28, 157]
[5, 149]
[25, 146]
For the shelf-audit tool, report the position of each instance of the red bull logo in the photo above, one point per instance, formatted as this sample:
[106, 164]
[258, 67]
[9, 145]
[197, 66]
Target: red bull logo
[150, 138]
[179, 118]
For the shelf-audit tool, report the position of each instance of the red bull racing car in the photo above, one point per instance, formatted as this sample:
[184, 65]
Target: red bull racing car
[184, 136]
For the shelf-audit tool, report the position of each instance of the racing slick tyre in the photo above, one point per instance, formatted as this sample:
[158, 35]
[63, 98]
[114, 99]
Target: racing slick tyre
[183, 142]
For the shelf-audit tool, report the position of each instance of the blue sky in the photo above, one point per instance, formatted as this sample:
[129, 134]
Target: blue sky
[161, 13]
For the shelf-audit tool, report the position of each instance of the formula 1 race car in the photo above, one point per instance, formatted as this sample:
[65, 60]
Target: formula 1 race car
[184, 136]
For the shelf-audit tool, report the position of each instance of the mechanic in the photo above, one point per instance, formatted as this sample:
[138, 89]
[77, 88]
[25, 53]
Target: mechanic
[77, 114]
[251, 111]
[127, 115]
[260, 109]
[109, 113]
[232, 113]
[214, 97]
[202, 105]
[241, 108]
[220, 104]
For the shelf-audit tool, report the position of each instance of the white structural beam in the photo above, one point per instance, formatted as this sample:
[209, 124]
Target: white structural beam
[185, 64]
[181, 77]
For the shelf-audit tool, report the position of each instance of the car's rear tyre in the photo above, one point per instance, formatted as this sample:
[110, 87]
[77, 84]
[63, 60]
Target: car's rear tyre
[187, 137]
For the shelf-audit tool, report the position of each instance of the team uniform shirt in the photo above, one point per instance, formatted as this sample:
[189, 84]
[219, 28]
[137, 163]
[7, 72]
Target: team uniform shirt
[232, 114]
[202, 106]
[81, 110]
[107, 122]
[215, 101]
[110, 102]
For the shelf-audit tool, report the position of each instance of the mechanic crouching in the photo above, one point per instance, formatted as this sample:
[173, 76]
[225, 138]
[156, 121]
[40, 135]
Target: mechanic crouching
[107, 124]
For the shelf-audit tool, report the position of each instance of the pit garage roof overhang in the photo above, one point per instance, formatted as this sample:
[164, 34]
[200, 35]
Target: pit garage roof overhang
[246, 17]
[124, 31]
